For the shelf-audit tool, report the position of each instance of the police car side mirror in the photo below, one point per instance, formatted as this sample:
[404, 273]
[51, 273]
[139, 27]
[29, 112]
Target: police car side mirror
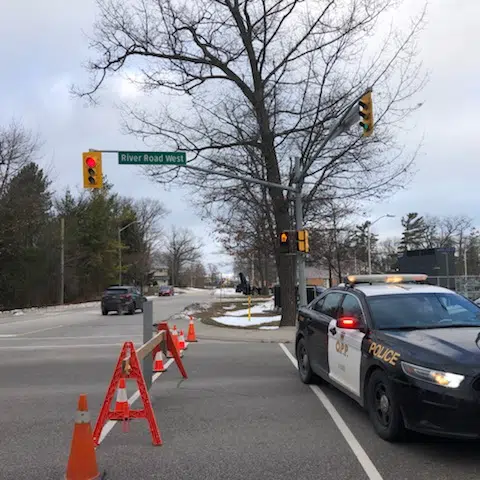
[351, 323]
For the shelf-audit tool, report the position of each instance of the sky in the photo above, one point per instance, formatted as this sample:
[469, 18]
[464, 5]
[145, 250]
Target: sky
[43, 49]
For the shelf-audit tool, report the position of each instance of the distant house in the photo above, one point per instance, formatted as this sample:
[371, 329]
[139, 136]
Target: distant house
[160, 275]
[317, 277]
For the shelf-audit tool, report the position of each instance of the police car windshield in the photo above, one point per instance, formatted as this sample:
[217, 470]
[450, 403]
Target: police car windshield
[423, 310]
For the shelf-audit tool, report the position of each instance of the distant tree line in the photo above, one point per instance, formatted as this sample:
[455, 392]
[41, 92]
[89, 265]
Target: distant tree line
[341, 246]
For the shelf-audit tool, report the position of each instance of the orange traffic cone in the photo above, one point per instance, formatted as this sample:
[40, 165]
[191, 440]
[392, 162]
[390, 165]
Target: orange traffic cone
[191, 337]
[181, 341]
[158, 365]
[121, 405]
[174, 340]
[82, 463]
[175, 335]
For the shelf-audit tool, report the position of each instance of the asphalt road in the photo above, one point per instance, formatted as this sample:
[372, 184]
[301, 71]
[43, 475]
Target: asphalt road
[243, 412]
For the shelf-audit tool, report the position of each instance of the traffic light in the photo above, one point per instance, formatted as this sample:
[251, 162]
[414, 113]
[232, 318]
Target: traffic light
[302, 241]
[366, 112]
[285, 242]
[92, 170]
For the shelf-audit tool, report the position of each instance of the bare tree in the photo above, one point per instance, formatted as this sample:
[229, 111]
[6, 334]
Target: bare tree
[181, 250]
[150, 212]
[253, 82]
[386, 254]
[18, 146]
[213, 273]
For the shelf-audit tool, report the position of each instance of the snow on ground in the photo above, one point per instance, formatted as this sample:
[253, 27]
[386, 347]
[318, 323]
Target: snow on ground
[239, 318]
[269, 327]
[195, 308]
[256, 309]
[227, 292]
[244, 322]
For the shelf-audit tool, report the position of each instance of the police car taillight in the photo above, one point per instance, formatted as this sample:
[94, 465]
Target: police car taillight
[348, 322]
[386, 278]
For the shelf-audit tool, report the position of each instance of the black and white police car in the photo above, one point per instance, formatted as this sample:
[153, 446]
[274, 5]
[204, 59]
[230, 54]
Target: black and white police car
[406, 351]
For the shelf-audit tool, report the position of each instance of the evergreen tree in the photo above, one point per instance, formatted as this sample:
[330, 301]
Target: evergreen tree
[414, 232]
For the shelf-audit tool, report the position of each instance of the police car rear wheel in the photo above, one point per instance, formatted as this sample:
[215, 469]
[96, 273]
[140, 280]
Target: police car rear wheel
[383, 408]
[304, 369]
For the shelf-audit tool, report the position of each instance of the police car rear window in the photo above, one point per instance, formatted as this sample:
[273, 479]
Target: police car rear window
[422, 310]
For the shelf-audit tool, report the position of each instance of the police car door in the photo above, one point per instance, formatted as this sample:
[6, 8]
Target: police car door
[345, 347]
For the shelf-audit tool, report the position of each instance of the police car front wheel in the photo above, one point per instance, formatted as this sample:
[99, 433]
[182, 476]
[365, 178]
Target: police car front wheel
[383, 408]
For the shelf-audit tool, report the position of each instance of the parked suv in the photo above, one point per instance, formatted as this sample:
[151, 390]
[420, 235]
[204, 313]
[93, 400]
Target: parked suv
[122, 299]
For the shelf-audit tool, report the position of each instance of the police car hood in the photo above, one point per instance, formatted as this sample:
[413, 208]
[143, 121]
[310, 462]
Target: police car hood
[439, 346]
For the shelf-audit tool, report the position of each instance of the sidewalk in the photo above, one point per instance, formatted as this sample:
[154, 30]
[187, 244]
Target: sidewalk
[210, 332]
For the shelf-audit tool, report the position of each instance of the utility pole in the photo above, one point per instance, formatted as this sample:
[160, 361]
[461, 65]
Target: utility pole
[62, 261]
[465, 269]
[369, 249]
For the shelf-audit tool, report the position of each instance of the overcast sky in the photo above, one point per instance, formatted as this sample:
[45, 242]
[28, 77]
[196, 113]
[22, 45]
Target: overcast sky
[42, 47]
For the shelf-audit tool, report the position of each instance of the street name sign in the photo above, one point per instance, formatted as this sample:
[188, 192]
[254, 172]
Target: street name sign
[152, 158]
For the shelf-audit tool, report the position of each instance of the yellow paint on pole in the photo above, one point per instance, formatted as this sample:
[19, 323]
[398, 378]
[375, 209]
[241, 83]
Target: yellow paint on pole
[249, 305]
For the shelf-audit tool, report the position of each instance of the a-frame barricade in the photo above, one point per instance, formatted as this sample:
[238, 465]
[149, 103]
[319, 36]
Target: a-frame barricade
[127, 367]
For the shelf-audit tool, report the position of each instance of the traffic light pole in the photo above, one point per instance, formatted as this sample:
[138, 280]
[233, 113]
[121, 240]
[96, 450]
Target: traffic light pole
[346, 121]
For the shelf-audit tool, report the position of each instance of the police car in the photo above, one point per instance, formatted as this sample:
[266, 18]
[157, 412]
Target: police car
[406, 351]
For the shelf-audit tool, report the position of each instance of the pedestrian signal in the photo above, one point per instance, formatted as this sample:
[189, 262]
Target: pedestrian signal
[302, 241]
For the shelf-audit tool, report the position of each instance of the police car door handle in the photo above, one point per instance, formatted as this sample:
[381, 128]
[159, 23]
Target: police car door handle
[333, 331]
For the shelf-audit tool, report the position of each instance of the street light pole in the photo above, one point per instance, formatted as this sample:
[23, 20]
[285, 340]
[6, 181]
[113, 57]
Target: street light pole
[120, 230]
[369, 248]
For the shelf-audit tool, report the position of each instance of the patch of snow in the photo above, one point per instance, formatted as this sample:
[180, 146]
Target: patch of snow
[260, 308]
[244, 322]
[229, 307]
[227, 292]
[269, 327]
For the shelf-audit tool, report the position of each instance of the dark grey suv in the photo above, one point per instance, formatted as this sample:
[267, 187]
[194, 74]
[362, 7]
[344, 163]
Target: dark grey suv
[122, 299]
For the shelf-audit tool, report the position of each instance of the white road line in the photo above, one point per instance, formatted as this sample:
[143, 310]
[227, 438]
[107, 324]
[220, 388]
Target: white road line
[111, 423]
[88, 337]
[8, 335]
[359, 452]
[39, 330]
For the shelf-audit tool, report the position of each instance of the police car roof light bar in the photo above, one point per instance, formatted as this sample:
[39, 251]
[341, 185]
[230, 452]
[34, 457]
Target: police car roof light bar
[352, 280]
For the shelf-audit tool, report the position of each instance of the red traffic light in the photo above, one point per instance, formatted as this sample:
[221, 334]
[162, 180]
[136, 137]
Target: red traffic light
[91, 162]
